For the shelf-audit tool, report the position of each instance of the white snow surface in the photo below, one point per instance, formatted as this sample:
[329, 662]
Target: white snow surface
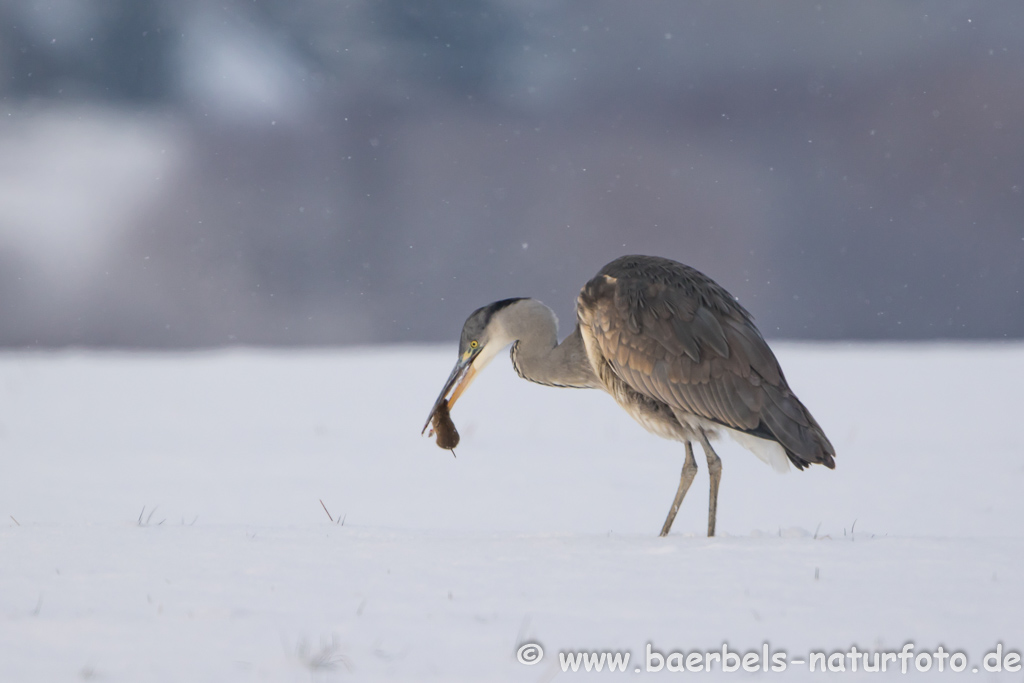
[160, 519]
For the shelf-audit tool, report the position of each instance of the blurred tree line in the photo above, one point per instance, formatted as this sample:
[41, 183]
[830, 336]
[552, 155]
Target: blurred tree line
[321, 172]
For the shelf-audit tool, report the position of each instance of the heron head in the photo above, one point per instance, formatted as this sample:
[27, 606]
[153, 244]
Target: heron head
[483, 336]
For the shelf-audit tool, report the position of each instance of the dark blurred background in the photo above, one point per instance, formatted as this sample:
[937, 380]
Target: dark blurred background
[178, 173]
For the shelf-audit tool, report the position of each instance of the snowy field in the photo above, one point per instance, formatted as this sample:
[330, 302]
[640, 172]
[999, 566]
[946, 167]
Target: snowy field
[160, 520]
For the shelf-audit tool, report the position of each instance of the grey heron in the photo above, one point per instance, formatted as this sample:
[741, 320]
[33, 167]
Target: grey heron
[672, 347]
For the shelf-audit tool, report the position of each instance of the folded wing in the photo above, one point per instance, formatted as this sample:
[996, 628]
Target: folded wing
[673, 334]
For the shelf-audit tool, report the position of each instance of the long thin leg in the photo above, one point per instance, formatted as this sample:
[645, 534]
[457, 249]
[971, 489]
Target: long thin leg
[715, 470]
[689, 472]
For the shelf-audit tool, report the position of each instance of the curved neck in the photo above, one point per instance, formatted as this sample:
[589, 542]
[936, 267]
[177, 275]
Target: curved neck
[536, 353]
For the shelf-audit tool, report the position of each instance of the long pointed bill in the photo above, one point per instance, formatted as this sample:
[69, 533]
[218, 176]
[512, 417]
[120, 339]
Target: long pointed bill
[461, 377]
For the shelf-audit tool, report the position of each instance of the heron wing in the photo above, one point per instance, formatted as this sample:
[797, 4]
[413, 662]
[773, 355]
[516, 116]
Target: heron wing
[674, 335]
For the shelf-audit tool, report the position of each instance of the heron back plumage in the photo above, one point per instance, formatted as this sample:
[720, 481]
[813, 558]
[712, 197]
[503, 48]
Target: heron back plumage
[674, 336]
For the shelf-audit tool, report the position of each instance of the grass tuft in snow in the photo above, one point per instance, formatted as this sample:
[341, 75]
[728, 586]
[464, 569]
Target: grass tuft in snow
[325, 657]
[340, 521]
[149, 517]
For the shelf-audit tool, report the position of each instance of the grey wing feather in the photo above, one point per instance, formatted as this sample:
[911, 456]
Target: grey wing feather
[674, 335]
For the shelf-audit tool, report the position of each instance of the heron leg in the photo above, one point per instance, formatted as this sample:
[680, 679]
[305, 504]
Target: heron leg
[715, 470]
[689, 472]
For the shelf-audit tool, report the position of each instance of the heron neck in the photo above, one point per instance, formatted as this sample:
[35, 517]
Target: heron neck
[537, 355]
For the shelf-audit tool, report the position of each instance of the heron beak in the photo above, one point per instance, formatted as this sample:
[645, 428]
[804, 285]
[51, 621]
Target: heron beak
[461, 377]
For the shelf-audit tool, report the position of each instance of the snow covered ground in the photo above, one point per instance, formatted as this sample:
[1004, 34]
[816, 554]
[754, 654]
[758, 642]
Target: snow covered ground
[160, 520]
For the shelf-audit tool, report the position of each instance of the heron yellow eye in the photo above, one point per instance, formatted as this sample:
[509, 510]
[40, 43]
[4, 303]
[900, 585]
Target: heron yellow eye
[473, 344]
